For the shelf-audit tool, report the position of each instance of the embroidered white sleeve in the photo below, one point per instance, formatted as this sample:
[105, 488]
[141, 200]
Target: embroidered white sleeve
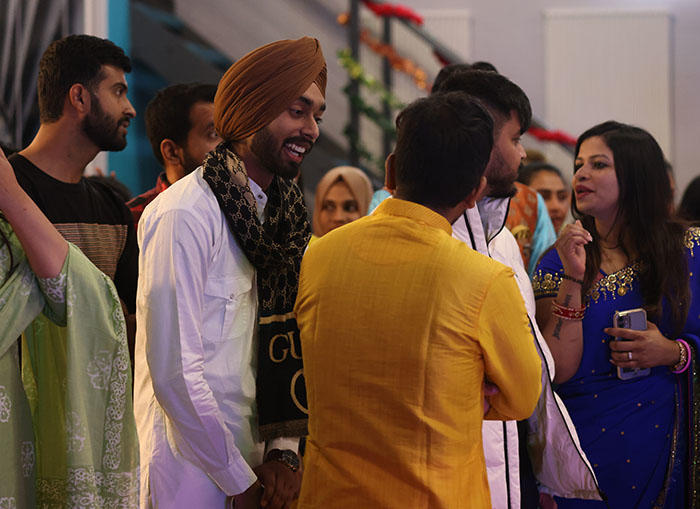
[54, 288]
[5, 405]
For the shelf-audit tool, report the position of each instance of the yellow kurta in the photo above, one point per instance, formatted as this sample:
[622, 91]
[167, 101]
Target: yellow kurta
[400, 324]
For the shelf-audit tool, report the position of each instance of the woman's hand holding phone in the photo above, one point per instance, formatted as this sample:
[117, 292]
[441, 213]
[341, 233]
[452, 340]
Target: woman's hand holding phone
[647, 348]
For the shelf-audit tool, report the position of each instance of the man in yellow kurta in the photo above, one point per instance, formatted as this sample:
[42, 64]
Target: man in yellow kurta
[401, 325]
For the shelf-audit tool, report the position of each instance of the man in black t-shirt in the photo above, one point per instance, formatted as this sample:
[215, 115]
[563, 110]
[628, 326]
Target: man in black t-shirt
[83, 109]
[91, 216]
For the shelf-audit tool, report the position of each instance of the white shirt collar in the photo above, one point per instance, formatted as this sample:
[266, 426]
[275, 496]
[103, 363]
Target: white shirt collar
[260, 198]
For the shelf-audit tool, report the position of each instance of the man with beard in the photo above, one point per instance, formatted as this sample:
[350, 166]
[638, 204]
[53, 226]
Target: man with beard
[560, 465]
[180, 127]
[83, 109]
[219, 393]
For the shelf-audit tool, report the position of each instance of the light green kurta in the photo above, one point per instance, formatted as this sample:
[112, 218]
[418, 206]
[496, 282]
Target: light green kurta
[74, 394]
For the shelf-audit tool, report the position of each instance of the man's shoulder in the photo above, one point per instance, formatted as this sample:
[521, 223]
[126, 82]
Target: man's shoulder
[107, 198]
[189, 196]
[18, 161]
[468, 260]
[451, 256]
[137, 204]
[26, 173]
[504, 248]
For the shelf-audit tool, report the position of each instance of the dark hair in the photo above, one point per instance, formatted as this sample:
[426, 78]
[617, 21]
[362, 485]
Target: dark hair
[527, 172]
[450, 69]
[446, 72]
[168, 113]
[689, 208]
[73, 59]
[443, 145]
[644, 219]
[495, 91]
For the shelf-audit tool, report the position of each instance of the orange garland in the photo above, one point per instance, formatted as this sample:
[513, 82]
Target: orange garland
[397, 62]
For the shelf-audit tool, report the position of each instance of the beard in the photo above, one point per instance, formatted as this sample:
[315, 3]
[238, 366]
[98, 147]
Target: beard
[501, 181]
[190, 164]
[102, 129]
[269, 153]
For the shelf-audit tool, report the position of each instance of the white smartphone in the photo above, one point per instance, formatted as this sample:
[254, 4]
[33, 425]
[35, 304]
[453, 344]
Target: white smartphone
[630, 319]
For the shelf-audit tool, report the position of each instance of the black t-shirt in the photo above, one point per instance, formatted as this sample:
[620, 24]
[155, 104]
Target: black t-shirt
[91, 216]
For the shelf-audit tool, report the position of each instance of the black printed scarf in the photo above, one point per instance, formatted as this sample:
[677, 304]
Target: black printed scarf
[275, 249]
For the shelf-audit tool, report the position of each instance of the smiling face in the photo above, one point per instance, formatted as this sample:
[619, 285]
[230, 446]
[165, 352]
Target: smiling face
[595, 182]
[110, 111]
[506, 157]
[281, 146]
[556, 195]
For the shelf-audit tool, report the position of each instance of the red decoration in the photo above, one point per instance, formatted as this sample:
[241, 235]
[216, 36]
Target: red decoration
[393, 11]
[443, 61]
[557, 136]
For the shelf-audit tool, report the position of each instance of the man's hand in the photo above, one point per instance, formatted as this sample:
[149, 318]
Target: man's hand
[249, 499]
[281, 484]
[489, 390]
[547, 501]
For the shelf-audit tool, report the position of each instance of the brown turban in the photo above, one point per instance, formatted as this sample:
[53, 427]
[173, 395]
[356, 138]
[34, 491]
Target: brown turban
[356, 180]
[263, 83]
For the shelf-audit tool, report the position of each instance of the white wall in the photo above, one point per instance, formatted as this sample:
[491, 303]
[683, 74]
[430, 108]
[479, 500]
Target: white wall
[510, 34]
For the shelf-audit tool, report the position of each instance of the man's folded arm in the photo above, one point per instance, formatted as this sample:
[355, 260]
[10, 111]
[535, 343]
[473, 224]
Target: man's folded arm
[510, 357]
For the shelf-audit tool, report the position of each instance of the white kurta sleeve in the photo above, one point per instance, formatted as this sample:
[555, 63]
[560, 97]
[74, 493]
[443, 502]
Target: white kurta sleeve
[175, 253]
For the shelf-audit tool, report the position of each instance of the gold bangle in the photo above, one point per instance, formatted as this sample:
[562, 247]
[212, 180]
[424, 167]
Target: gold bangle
[682, 364]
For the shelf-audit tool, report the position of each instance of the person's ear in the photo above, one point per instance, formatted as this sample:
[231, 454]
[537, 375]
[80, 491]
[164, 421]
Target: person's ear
[79, 98]
[476, 194]
[171, 152]
[390, 173]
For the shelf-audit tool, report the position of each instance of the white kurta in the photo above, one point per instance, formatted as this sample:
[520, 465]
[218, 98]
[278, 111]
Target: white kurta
[559, 462]
[195, 351]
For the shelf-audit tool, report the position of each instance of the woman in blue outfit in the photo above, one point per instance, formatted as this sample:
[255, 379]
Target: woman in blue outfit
[626, 251]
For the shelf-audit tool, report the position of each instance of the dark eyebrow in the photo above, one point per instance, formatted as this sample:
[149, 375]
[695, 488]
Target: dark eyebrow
[594, 155]
[310, 103]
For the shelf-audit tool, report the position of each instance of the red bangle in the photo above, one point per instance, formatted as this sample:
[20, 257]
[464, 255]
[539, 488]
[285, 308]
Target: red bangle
[568, 313]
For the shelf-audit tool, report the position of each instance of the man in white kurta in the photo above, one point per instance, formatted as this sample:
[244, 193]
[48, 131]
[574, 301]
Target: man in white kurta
[197, 306]
[197, 301]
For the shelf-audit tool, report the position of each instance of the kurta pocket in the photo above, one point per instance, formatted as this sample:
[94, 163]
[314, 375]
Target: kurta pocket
[223, 300]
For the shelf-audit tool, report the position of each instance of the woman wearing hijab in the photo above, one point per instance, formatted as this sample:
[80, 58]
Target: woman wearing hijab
[342, 196]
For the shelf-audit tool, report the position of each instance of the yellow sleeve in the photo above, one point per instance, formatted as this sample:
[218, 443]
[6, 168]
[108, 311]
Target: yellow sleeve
[510, 357]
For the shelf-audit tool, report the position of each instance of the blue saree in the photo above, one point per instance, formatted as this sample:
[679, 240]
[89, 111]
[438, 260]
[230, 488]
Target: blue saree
[634, 432]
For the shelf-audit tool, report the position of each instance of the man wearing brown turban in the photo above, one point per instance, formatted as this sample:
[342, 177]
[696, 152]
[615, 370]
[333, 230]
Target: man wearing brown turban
[219, 374]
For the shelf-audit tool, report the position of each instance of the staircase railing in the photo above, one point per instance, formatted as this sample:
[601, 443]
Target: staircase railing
[443, 53]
